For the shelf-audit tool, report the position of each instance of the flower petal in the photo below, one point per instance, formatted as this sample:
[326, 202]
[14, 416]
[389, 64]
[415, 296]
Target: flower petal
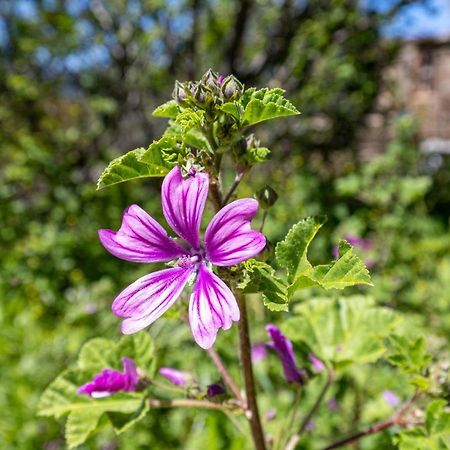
[105, 383]
[212, 306]
[140, 239]
[130, 370]
[174, 376]
[229, 238]
[149, 297]
[283, 346]
[183, 202]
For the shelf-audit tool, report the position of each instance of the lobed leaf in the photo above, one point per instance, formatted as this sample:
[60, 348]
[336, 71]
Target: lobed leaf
[168, 110]
[122, 409]
[265, 104]
[292, 254]
[342, 331]
[130, 167]
[433, 435]
[411, 357]
[260, 277]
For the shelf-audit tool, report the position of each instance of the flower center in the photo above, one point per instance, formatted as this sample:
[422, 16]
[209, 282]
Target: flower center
[195, 258]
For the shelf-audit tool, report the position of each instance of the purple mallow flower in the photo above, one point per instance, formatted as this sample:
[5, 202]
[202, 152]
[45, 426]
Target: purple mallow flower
[110, 381]
[391, 398]
[283, 346]
[316, 362]
[228, 240]
[174, 376]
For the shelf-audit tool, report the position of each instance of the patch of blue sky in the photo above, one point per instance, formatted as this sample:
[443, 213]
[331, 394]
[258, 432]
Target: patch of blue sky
[427, 19]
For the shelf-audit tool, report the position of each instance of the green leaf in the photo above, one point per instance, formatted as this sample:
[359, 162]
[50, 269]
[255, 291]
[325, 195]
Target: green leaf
[348, 270]
[260, 277]
[169, 110]
[163, 154]
[96, 356]
[122, 422]
[130, 167]
[190, 119]
[434, 435]
[233, 109]
[80, 425]
[342, 331]
[257, 155]
[139, 347]
[291, 253]
[122, 409]
[409, 355]
[265, 104]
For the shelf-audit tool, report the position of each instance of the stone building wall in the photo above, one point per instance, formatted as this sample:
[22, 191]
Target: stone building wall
[419, 83]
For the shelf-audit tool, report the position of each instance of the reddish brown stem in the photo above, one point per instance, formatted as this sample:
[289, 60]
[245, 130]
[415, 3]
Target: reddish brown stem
[396, 419]
[247, 369]
[225, 374]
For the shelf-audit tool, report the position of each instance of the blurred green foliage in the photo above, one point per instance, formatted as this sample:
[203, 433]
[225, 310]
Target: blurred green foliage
[78, 81]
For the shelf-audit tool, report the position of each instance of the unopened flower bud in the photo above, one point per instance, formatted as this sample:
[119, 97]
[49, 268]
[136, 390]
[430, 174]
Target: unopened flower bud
[179, 93]
[266, 197]
[231, 88]
[214, 389]
[200, 94]
[210, 79]
[252, 142]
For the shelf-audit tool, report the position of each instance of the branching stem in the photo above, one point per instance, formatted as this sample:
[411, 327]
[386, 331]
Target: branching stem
[233, 187]
[188, 403]
[396, 419]
[296, 437]
[225, 375]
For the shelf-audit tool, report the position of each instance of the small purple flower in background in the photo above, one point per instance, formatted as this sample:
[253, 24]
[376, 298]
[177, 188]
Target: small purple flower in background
[110, 381]
[283, 346]
[259, 352]
[309, 426]
[214, 389]
[319, 366]
[270, 414]
[174, 376]
[229, 240]
[363, 244]
[332, 404]
[391, 398]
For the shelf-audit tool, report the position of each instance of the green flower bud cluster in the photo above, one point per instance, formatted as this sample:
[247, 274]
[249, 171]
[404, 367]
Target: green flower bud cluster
[211, 90]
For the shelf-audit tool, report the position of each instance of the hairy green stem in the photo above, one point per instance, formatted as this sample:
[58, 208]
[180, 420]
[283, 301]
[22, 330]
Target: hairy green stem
[252, 412]
[263, 221]
[188, 403]
[296, 437]
[237, 180]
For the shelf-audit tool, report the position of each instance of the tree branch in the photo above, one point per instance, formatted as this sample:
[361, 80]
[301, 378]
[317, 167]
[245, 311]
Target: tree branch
[240, 25]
